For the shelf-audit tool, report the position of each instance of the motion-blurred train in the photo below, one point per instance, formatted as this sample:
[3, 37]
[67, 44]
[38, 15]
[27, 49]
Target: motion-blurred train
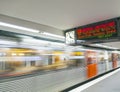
[95, 61]
[63, 68]
[52, 68]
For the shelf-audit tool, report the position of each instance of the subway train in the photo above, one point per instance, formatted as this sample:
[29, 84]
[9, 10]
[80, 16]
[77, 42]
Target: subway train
[28, 64]
[51, 70]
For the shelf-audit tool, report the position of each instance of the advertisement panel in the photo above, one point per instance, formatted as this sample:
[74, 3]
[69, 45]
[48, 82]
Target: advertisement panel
[91, 63]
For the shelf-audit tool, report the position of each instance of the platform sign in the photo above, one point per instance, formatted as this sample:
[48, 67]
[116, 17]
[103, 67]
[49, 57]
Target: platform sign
[100, 31]
[103, 31]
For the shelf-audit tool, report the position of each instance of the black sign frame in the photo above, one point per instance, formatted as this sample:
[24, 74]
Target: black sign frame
[96, 40]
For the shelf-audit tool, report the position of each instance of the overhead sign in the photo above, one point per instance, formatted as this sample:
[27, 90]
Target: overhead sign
[100, 31]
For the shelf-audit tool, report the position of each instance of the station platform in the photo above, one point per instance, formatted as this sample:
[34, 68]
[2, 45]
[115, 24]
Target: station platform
[108, 83]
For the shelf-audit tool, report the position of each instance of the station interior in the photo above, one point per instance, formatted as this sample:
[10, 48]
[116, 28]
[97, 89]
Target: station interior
[48, 45]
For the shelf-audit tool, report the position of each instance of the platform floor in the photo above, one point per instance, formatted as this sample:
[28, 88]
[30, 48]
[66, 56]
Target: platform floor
[110, 84]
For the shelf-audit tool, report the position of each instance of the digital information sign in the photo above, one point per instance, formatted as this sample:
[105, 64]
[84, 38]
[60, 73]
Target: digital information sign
[100, 31]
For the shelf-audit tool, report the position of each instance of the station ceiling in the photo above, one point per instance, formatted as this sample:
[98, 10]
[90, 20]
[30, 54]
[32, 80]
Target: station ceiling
[62, 14]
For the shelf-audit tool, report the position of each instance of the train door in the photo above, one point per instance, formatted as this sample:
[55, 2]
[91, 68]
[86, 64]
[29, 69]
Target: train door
[91, 61]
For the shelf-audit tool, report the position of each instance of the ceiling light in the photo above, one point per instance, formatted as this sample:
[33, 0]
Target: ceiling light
[105, 46]
[30, 30]
[18, 27]
[53, 35]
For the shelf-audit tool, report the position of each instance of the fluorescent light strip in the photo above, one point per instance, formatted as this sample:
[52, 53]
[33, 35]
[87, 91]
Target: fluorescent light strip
[29, 29]
[18, 27]
[53, 35]
[100, 45]
[85, 86]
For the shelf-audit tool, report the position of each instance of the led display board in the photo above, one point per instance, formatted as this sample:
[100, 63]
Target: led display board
[101, 31]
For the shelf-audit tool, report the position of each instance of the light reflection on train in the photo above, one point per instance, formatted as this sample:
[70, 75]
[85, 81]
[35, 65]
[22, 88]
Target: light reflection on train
[22, 61]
